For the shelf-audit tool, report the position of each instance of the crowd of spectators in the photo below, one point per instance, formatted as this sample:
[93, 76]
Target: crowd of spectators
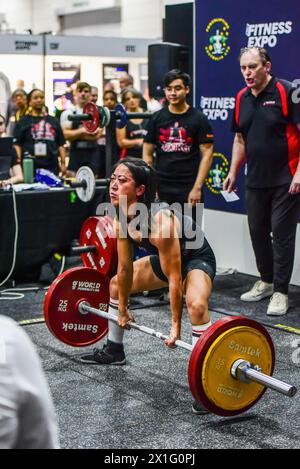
[55, 143]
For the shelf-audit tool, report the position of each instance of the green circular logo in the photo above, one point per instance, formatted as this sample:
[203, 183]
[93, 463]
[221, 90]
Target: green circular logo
[217, 174]
[218, 30]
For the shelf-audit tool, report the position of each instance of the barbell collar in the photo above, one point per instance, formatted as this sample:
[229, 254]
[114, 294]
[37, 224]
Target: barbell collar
[85, 308]
[247, 372]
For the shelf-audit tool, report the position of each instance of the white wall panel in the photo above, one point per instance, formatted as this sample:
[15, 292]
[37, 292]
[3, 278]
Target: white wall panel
[109, 30]
[44, 15]
[23, 67]
[142, 18]
[18, 14]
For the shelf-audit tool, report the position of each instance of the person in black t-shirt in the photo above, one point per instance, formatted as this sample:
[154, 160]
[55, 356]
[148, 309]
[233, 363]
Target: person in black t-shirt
[266, 123]
[40, 135]
[130, 138]
[183, 140]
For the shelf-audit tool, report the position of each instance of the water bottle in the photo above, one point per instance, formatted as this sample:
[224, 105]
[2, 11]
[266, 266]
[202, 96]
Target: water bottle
[28, 168]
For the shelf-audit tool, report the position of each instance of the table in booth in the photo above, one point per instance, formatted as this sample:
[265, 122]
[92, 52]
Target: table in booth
[48, 220]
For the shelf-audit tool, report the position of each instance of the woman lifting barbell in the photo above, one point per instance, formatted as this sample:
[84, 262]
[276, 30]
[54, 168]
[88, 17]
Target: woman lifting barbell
[179, 257]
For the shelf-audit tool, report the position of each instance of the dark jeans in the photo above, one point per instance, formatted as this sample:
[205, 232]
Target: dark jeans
[272, 217]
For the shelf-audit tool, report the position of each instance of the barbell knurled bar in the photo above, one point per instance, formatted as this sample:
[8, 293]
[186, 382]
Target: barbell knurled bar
[85, 308]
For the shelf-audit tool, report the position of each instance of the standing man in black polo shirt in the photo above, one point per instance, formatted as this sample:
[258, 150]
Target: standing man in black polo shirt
[183, 140]
[266, 123]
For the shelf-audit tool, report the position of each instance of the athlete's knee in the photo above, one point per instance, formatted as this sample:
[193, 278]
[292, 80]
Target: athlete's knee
[198, 310]
[113, 288]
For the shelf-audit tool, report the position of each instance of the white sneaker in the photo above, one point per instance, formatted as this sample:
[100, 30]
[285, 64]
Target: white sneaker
[279, 304]
[259, 291]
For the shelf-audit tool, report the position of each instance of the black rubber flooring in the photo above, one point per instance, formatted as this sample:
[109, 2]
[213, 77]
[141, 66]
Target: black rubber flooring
[146, 404]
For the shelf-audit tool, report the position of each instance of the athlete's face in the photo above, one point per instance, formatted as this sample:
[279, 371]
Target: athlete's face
[123, 185]
[255, 73]
[176, 92]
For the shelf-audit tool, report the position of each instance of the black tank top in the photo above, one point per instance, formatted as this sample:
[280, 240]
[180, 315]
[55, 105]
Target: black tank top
[191, 236]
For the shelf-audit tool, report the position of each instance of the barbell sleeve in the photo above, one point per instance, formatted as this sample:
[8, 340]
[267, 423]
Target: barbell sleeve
[270, 382]
[247, 372]
[135, 115]
[102, 182]
[85, 308]
[80, 117]
[99, 183]
[83, 249]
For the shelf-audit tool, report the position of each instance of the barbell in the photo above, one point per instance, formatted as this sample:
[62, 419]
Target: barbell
[85, 183]
[94, 116]
[230, 366]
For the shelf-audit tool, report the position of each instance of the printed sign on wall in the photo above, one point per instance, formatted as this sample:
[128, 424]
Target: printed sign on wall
[65, 77]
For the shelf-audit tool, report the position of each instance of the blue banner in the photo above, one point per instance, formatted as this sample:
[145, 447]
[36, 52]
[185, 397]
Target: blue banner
[222, 28]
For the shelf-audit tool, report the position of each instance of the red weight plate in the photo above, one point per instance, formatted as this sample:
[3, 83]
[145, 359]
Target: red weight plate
[92, 125]
[199, 352]
[61, 306]
[98, 231]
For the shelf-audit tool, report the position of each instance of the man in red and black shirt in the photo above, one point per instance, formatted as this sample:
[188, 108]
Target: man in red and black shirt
[266, 123]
